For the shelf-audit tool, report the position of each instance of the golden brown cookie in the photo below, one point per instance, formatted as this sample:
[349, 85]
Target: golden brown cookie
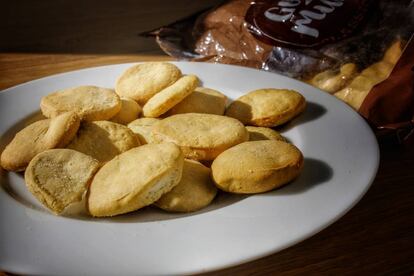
[62, 129]
[142, 81]
[170, 96]
[256, 166]
[103, 140]
[202, 100]
[135, 179]
[332, 81]
[267, 107]
[90, 103]
[263, 133]
[142, 127]
[195, 190]
[38, 137]
[355, 93]
[60, 177]
[130, 111]
[200, 136]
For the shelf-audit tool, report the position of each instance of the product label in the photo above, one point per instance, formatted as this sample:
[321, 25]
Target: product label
[304, 23]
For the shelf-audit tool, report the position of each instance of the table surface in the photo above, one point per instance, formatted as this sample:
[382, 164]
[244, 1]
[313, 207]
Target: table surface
[375, 237]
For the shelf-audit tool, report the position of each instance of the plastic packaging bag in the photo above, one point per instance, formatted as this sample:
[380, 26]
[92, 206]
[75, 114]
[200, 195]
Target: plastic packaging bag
[345, 47]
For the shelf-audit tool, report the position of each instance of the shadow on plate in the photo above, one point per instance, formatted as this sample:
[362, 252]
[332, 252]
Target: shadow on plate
[315, 172]
[19, 192]
[150, 214]
[312, 112]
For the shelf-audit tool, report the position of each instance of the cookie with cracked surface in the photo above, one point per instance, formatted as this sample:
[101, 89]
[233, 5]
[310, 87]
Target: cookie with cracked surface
[60, 177]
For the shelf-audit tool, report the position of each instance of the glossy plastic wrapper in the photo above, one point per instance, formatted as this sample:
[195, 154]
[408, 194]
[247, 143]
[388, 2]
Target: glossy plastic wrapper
[357, 50]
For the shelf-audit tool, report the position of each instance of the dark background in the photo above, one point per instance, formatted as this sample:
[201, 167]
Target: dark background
[90, 27]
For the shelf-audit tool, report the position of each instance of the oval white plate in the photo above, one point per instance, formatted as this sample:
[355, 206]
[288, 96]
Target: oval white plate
[341, 160]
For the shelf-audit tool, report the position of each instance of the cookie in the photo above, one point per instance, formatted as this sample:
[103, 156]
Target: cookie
[60, 177]
[170, 96]
[256, 166]
[90, 103]
[263, 133]
[135, 179]
[38, 137]
[142, 81]
[202, 100]
[267, 107]
[103, 140]
[62, 129]
[142, 127]
[195, 190]
[200, 136]
[130, 111]
[332, 81]
[356, 91]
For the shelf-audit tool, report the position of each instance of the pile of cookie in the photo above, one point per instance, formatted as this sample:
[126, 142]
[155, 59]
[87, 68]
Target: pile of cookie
[93, 146]
[352, 86]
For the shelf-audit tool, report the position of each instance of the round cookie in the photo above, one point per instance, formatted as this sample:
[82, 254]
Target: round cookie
[130, 110]
[195, 190]
[135, 179]
[60, 177]
[170, 96]
[263, 133]
[256, 166]
[200, 136]
[103, 140]
[90, 103]
[267, 107]
[142, 81]
[142, 127]
[202, 100]
[38, 137]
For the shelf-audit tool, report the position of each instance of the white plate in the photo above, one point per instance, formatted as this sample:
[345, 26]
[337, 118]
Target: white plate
[341, 160]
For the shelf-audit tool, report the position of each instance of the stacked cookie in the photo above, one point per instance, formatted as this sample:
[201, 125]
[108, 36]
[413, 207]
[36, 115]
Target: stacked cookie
[94, 146]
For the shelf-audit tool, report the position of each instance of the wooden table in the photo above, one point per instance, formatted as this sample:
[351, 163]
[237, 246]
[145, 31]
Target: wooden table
[375, 238]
